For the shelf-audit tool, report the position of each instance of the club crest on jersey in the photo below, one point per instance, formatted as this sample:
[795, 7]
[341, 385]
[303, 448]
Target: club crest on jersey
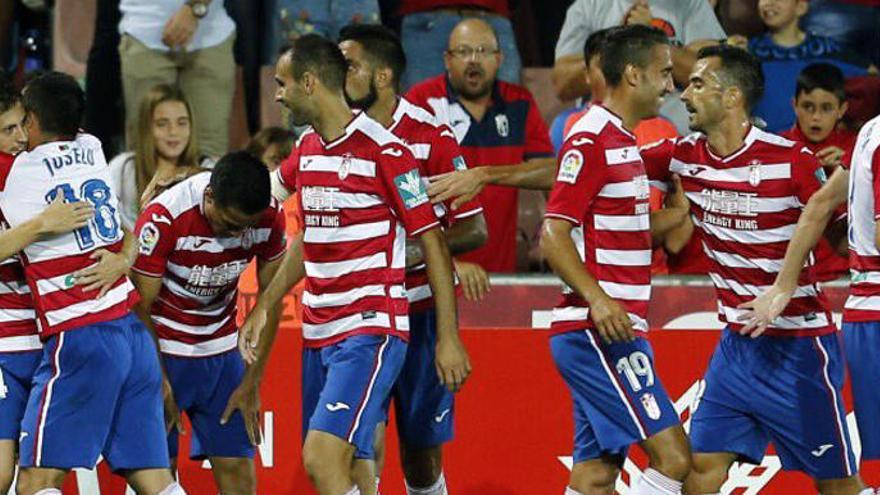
[651, 406]
[458, 163]
[502, 125]
[148, 238]
[754, 173]
[345, 166]
[570, 166]
[411, 189]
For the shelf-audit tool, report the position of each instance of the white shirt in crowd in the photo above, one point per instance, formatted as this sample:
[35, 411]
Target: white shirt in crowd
[145, 20]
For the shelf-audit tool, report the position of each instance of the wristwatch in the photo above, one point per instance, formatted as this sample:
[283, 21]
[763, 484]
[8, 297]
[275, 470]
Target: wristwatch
[199, 8]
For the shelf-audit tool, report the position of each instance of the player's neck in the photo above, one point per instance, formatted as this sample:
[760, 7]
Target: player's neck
[728, 136]
[48, 138]
[334, 117]
[788, 36]
[382, 111]
[622, 106]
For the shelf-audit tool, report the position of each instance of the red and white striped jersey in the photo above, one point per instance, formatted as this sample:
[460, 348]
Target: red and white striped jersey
[195, 310]
[18, 321]
[747, 205]
[863, 303]
[601, 187]
[360, 195]
[77, 170]
[437, 152]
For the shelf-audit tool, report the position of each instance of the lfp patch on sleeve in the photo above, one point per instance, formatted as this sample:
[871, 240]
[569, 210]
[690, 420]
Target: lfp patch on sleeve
[570, 166]
[458, 163]
[148, 239]
[411, 189]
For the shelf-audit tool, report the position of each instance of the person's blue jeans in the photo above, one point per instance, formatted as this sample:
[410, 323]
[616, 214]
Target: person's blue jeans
[425, 37]
[324, 17]
[855, 26]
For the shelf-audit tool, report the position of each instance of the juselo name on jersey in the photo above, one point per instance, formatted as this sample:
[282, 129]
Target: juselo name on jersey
[74, 156]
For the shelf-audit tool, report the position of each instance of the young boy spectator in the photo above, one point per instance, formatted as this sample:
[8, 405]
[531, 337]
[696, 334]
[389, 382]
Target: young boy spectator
[819, 104]
[785, 50]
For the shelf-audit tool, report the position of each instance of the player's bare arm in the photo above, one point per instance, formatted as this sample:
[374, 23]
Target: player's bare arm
[452, 361]
[611, 319]
[58, 218]
[148, 288]
[462, 236]
[464, 185]
[109, 267]
[290, 272]
[811, 224]
[246, 397]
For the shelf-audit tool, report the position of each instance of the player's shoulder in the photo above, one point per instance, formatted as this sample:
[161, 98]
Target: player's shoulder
[769, 139]
[416, 113]
[599, 124]
[378, 139]
[181, 198]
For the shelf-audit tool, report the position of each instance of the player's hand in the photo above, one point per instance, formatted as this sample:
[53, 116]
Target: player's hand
[463, 185]
[101, 276]
[60, 217]
[761, 311]
[831, 156]
[249, 334]
[246, 399]
[738, 41]
[452, 363]
[172, 413]
[611, 320]
[474, 280]
[639, 13]
[179, 30]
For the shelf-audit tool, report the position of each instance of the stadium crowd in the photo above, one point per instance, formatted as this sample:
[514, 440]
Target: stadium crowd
[715, 123]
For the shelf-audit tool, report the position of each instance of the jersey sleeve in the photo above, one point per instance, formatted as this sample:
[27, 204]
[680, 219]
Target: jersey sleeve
[807, 174]
[405, 188]
[875, 178]
[657, 157]
[277, 243]
[445, 157]
[286, 172]
[156, 240]
[538, 143]
[580, 176]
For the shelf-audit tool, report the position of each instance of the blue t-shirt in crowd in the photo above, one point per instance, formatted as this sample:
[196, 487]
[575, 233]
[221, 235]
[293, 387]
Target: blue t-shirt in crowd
[782, 65]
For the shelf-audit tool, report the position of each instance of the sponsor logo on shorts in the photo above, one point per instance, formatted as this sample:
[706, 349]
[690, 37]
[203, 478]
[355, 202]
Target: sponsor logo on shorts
[440, 417]
[338, 406]
[821, 450]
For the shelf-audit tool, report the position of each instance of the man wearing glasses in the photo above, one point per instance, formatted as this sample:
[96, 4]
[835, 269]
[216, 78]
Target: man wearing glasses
[496, 123]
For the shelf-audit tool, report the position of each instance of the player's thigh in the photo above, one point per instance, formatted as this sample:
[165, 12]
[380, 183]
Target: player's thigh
[722, 419]
[138, 439]
[234, 475]
[224, 373]
[16, 376]
[424, 408]
[142, 68]
[7, 463]
[33, 479]
[805, 416]
[74, 396]
[862, 346]
[616, 385]
[209, 84]
[669, 452]
[327, 453]
[360, 373]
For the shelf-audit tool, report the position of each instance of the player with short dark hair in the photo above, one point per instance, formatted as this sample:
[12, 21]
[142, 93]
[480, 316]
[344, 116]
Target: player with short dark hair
[747, 188]
[361, 194]
[98, 389]
[597, 237]
[196, 239]
[424, 407]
